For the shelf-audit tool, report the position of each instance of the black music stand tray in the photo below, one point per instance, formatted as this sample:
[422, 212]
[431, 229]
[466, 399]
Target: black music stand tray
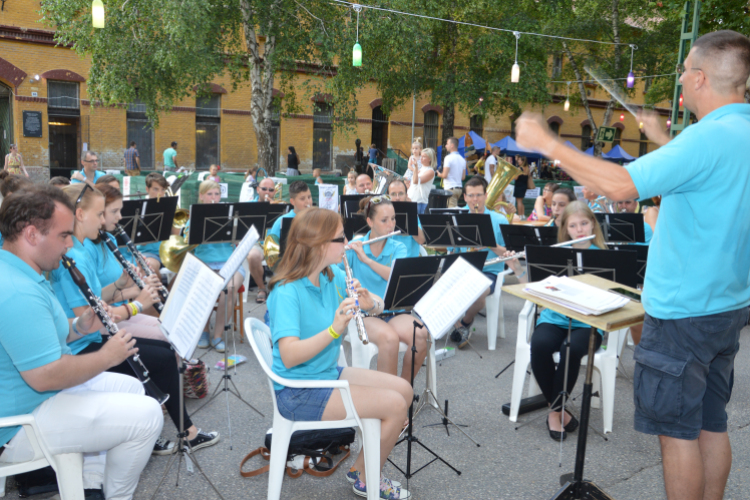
[226, 223]
[355, 225]
[149, 220]
[409, 281]
[276, 210]
[407, 220]
[349, 203]
[447, 211]
[622, 227]
[458, 230]
[516, 236]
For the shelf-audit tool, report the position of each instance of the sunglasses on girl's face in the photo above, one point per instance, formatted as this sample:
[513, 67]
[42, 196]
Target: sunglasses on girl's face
[339, 240]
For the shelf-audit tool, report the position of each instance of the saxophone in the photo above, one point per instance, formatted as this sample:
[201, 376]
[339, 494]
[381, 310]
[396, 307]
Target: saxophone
[352, 292]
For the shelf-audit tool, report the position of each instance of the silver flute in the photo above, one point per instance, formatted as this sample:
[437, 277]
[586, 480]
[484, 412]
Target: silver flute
[523, 254]
[379, 238]
[352, 292]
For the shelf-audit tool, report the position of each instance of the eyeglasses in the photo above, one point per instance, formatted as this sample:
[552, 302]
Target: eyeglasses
[339, 240]
[95, 160]
[680, 69]
[265, 189]
[375, 200]
[80, 196]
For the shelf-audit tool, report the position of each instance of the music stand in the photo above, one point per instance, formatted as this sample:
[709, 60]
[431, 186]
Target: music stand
[276, 210]
[226, 223]
[516, 237]
[622, 227]
[286, 225]
[620, 267]
[349, 203]
[438, 211]
[354, 226]
[149, 220]
[458, 230]
[641, 259]
[407, 220]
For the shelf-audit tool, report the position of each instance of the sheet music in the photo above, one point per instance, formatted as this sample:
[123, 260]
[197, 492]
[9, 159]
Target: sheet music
[328, 196]
[239, 255]
[189, 305]
[451, 296]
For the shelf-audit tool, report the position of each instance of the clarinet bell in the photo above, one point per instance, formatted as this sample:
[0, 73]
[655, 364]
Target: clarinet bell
[153, 391]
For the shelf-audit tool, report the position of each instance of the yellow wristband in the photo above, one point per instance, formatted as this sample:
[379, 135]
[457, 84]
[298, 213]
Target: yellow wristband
[333, 333]
[133, 308]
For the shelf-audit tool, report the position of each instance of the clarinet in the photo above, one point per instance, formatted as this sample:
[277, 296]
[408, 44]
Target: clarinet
[119, 231]
[96, 304]
[352, 292]
[127, 266]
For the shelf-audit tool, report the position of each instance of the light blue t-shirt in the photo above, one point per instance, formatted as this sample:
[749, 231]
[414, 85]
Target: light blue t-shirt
[412, 247]
[1, 240]
[276, 228]
[169, 155]
[300, 309]
[108, 268]
[33, 332]
[367, 277]
[97, 174]
[497, 221]
[68, 293]
[699, 174]
[152, 248]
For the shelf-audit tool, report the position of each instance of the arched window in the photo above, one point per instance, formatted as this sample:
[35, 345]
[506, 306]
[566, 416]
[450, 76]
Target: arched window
[618, 136]
[555, 128]
[431, 120]
[585, 137]
[476, 124]
[643, 147]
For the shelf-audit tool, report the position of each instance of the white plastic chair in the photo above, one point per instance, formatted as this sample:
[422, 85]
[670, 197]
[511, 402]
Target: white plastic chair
[605, 368]
[259, 337]
[362, 356]
[495, 314]
[67, 466]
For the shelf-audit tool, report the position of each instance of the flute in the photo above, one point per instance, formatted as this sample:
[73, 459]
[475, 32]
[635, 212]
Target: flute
[127, 266]
[98, 307]
[352, 292]
[379, 238]
[120, 231]
[523, 254]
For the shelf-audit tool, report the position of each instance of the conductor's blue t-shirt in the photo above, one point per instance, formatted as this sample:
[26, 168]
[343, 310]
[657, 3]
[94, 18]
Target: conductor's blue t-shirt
[699, 174]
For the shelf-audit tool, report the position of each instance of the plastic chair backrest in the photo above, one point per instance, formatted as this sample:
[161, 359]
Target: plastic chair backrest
[262, 335]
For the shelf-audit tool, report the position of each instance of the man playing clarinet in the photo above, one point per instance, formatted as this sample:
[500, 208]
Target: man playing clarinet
[685, 360]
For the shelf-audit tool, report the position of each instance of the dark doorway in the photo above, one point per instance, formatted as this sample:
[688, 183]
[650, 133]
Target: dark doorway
[6, 120]
[275, 138]
[379, 130]
[63, 142]
[139, 131]
[322, 136]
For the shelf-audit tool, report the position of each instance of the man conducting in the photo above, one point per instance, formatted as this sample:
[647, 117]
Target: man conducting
[685, 360]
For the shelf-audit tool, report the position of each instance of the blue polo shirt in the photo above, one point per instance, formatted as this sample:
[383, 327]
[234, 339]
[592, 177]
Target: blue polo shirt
[68, 293]
[367, 277]
[497, 221]
[97, 174]
[33, 332]
[699, 174]
[301, 309]
[1, 240]
[412, 247]
[108, 268]
[152, 248]
[276, 228]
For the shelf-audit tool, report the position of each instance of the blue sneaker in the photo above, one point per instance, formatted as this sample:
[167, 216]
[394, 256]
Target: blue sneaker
[353, 476]
[388, 490]
[203, 342]
[218, 344]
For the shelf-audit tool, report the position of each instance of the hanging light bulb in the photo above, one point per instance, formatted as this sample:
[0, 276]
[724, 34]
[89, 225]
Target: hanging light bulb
[357, 50]
[631, 76]
[97, 14]
[566, 106]
[515, 72]
[622, 117]
[669, 122]
[680, 100]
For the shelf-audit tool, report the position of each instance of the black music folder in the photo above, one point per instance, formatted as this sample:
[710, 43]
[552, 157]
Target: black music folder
[407, 220]
[621, 267]
[412, 277]
[226, 222]
[516, 237]
[286, 225]
[622, 227]
[458, 230]
[149, 220]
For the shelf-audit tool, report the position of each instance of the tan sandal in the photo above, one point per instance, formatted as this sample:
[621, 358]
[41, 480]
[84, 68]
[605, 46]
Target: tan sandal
[261, 297]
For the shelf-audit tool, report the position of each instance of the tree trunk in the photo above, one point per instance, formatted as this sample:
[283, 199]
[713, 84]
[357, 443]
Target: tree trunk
[261, 82]
[449, 118]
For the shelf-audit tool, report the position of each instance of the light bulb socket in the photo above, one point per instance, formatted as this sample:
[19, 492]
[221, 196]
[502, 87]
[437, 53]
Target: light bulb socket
[97, 14]
[515, 73]
[631, 80]
[357, 55]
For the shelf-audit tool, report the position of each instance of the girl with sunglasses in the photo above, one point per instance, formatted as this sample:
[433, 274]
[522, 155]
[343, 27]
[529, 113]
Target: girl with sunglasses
[157, 355]
[309, 311]
[371, 265]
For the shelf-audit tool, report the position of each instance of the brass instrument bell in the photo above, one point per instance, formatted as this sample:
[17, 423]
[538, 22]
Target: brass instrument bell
[271, 250]
[505, 172]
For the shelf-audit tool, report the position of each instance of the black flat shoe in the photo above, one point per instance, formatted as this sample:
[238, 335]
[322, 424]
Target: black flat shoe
[572, 425]
[555, 434]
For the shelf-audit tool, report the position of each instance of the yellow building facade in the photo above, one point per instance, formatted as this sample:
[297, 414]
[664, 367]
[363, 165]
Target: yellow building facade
[45, 109]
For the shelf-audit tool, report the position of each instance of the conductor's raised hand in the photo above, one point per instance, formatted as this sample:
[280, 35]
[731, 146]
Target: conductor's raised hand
[532, 132]
[652, 127]
[119, 348]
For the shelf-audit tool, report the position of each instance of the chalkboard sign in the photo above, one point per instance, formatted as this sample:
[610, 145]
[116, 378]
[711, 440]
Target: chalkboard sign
[32, 123]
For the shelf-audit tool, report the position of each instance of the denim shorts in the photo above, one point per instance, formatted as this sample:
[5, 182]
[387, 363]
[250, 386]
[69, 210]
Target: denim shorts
[150, 255]
[493, 277]
[303, 404]
[684, 373]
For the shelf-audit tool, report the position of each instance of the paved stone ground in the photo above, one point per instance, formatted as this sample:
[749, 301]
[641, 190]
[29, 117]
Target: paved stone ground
[510, 464]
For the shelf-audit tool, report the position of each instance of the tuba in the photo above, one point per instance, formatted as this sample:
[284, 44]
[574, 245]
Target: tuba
[505, 172]
[383, 178]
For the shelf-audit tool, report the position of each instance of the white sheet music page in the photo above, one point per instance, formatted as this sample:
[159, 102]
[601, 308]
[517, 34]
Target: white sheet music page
[451, 296]
[189, 305]
[239, 255]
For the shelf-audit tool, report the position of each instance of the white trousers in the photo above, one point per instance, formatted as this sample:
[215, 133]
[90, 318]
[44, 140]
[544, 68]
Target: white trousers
[109, 413]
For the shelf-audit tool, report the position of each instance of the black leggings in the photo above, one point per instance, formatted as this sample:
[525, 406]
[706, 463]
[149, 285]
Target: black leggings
[549, 339]
[161, 362]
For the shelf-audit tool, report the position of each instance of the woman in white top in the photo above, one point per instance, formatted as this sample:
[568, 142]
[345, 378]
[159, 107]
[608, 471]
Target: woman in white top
[416, 153]
[419, 191]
